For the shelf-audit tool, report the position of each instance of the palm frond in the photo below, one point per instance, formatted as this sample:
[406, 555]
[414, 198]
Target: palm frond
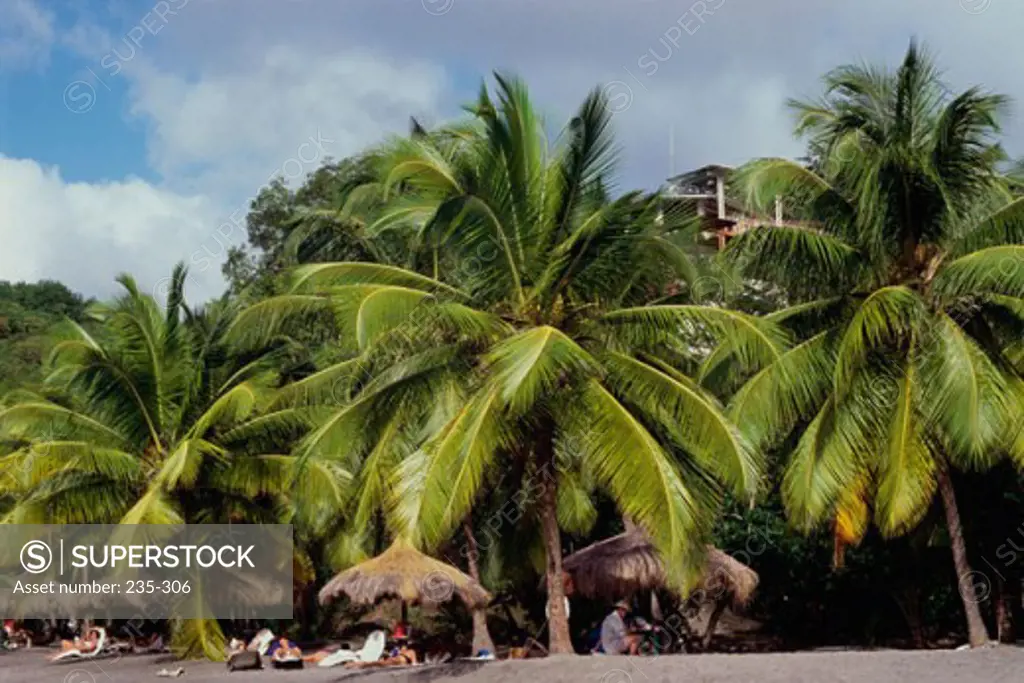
[787, 392]
[435, 487]
[258, 324]
[888, 317]
[371, 311]
[318, 276]
[691, 415]
[756, 340]
[906, 479]
[769, 252]
[818, 470]
[232, 407]
[993, 270]
[647, 485]
[969, 398]
[531, 364]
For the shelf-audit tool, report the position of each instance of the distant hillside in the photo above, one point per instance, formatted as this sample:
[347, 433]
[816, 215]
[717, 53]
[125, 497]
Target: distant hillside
[27, 311]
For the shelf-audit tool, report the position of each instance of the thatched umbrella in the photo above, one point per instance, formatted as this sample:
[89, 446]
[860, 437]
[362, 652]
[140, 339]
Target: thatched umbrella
[628, 563]
[404, 573]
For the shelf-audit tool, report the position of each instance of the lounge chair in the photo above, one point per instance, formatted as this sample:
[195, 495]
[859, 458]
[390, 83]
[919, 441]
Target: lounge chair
[371, 651]
[286, 662]
[100, 649]
[261, 641]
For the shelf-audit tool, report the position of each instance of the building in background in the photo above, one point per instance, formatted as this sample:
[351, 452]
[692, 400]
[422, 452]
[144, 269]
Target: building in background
[723, 215]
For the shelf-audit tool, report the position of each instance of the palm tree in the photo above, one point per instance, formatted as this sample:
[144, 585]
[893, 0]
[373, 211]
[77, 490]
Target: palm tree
[902, 261]
[149, 424]
[515, 340]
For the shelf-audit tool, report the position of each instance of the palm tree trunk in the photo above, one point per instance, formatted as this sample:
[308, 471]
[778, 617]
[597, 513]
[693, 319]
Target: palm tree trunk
[559, 641]
[908, 599]
[1007, 597]
[481, 636]
[977, 633]
[716, 614]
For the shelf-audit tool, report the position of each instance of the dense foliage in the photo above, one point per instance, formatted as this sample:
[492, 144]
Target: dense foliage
[27, 312]
[464, 317]
[901, 367]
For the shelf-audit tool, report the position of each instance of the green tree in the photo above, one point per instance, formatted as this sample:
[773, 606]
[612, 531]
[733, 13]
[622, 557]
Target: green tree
[27, 312]
[150, 424]
[285, 227]
[904, 259]
[517, 341]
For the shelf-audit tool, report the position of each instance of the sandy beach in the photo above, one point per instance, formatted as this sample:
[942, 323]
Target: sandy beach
[884, 666]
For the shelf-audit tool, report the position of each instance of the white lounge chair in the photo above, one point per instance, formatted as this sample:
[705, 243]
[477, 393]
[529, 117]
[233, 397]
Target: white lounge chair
[100, 649]
[371, 651]
[261, 641]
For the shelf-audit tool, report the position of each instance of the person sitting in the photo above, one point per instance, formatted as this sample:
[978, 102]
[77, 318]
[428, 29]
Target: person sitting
[402, 656]
[615, 637]
[13, 637]
[282, 648]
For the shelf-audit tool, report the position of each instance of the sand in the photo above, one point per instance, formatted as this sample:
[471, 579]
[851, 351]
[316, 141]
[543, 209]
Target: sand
[883, 666]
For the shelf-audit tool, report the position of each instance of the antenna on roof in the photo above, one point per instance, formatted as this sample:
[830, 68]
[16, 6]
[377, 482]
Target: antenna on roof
[671, 150]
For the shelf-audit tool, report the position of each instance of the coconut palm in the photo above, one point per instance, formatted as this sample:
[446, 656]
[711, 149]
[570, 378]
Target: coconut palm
[903, 258]
[517, 341]
[149, 424]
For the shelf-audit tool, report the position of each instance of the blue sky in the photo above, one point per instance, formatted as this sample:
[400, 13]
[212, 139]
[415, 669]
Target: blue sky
[101, 146]
[200, 102]
[34, 123]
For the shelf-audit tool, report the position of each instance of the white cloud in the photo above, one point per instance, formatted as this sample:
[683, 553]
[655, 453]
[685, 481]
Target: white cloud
[229, 98]
[26, 34]
[215, 139]
[84, 234]
[282, 115]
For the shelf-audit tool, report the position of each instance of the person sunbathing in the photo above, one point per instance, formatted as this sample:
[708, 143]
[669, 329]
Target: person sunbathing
[83, 645]
[402, 656]
[319, 655]
[146, 644]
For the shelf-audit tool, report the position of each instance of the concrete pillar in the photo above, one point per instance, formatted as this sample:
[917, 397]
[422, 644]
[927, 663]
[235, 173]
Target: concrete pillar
[720, 191]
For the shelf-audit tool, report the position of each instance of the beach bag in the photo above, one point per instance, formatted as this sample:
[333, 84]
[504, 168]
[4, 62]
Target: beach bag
[244, 660]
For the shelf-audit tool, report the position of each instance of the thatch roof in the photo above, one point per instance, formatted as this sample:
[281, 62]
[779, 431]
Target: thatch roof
[405, 573]
[625, 564]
